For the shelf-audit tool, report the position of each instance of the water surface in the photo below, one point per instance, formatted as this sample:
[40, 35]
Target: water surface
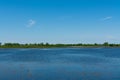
[60, 64]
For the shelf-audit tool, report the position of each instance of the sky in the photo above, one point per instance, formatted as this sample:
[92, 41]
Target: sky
[60, 21]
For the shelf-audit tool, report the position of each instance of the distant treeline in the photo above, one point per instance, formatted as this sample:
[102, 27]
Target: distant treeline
[47, 45]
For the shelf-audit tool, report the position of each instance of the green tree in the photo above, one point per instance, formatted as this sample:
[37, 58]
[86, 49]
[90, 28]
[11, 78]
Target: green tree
[0, 44]
[47, 44]
[106, 44]
[95, 44]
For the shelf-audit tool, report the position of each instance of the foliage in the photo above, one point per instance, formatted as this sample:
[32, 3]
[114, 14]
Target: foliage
[47, 45]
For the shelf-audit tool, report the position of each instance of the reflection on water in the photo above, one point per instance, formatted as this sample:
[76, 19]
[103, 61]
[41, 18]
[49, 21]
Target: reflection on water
[60, 64]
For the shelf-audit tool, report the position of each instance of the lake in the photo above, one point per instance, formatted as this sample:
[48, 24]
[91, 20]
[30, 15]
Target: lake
[60, 64]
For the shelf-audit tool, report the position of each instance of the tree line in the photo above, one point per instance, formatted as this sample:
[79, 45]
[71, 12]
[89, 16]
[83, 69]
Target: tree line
[47, 45]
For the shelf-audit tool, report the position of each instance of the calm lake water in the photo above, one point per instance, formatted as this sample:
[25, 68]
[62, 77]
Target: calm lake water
[60, 64]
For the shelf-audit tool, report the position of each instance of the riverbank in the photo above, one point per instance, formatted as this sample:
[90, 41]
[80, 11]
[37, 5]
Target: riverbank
[67, 47]
[47, 45]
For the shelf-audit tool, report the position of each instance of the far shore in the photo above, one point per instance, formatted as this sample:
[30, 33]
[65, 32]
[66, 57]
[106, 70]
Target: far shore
[61, 47]
[47, 45]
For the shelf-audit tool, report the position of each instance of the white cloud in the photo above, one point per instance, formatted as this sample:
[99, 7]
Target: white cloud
[107, 18]
[31, 23]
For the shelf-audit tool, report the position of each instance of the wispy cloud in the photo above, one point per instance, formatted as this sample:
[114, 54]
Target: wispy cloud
[31, 23]
[107, 18]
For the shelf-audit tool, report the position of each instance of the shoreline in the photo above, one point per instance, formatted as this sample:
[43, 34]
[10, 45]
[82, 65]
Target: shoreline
[60, 47]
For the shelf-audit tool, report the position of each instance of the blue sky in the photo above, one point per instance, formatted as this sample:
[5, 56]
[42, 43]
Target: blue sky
[60, 21]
